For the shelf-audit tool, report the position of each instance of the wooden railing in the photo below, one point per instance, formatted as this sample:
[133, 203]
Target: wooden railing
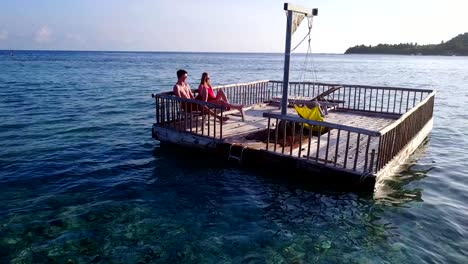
[189, 115]
[414, 108]
[332, 151]
[247, 93]
[300, 89]
[397, 135]
[391, 100]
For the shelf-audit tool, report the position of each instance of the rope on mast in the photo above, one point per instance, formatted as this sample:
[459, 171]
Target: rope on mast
[308, 53]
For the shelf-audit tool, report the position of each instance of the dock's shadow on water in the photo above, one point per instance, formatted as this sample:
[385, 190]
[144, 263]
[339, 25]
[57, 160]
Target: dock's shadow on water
[392, 189]
[189, 159]
[396, 189]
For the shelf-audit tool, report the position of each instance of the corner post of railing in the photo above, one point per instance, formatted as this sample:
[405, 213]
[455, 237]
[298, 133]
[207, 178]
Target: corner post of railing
[162, 114]
[269, 90]
[379, 153]
[156, 107]
[366, 157]
[371, 163]
[268, 133]
[221, 125]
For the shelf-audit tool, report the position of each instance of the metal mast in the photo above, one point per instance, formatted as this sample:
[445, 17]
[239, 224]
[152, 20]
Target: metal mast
[290, 9]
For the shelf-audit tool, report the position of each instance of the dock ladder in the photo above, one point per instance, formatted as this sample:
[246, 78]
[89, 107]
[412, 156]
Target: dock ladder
[231, 154]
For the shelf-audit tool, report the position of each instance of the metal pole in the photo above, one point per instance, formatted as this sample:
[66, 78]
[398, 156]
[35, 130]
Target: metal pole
[287, 57]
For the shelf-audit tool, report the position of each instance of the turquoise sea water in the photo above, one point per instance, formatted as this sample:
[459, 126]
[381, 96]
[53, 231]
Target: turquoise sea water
[82, 181]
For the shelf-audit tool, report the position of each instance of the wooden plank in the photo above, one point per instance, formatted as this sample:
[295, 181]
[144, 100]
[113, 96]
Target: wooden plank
[184, 139]
[254, 121]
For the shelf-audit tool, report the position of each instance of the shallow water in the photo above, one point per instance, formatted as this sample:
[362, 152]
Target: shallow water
[82, 180]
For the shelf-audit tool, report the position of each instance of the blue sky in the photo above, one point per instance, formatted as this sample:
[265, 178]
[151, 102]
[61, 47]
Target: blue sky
[222, 26]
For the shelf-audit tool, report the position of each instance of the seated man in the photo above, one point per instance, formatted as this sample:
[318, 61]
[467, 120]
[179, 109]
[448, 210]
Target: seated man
[182, 90]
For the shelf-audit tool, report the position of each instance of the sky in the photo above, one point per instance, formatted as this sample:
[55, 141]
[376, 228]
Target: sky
[223, 26]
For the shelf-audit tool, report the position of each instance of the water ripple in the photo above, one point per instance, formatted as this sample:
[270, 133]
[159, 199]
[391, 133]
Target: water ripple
[81, 180]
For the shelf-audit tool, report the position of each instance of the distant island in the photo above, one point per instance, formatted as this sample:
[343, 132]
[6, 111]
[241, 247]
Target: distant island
[457, 46]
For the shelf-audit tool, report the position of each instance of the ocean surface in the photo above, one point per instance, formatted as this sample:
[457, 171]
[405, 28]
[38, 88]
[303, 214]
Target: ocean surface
[82, 181]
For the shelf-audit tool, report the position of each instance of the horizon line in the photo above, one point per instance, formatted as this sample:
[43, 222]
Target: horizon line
[156, 51]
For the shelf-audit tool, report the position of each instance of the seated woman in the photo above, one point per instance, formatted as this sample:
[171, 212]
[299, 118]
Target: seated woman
[206, 93]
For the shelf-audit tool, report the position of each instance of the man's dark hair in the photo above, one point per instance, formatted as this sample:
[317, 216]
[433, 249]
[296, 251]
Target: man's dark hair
[181, 73]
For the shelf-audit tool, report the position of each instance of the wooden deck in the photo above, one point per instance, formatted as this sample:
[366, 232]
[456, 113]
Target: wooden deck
[332, 148]
[255, 121]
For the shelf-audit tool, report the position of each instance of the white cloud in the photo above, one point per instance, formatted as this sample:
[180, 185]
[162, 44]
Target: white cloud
[3, 35]
[43, 35]
[75, 38]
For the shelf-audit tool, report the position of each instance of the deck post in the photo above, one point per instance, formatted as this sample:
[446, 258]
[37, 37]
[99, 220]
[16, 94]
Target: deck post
[287, 58]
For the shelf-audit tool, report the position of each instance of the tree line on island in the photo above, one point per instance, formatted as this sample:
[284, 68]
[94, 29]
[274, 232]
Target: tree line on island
[457, 46]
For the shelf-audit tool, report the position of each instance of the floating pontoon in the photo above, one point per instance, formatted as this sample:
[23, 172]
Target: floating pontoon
[367, 132]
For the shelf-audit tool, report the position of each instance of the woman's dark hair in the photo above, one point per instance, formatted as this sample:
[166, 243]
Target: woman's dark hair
[203, 78]
[181, 73]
